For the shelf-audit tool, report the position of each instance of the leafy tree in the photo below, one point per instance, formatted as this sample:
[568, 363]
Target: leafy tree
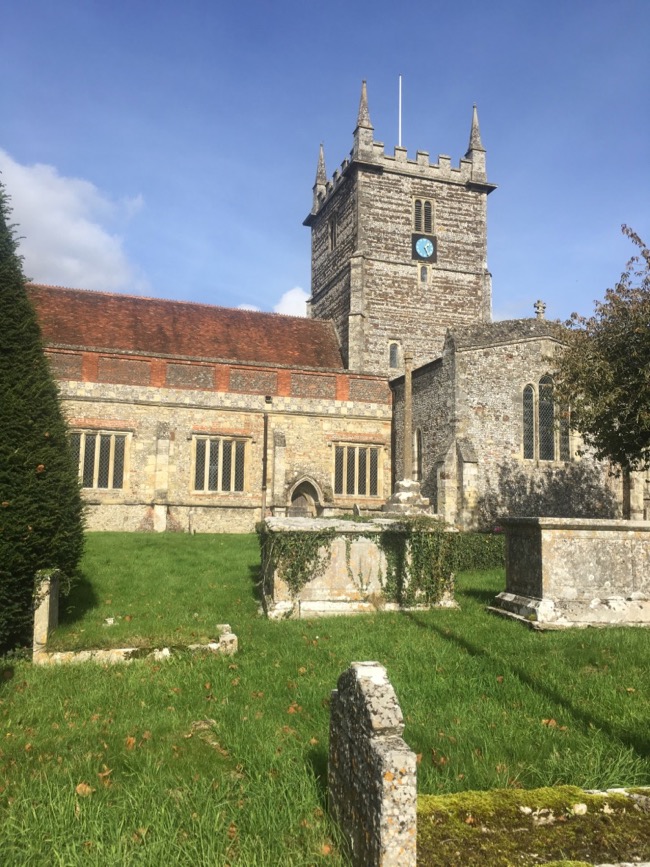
[41, 523]
[604, 372]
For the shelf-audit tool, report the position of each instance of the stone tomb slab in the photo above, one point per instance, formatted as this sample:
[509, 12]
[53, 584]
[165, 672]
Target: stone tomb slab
[349, 578]
[576, 572]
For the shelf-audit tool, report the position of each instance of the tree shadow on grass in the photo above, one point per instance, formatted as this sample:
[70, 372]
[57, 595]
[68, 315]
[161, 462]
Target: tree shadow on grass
[79, 600]
[640, 744]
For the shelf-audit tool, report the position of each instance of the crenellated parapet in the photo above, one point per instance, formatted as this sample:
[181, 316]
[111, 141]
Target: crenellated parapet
[367, 152]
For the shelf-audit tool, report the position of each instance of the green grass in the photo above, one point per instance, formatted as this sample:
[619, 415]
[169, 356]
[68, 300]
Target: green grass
[487, 704]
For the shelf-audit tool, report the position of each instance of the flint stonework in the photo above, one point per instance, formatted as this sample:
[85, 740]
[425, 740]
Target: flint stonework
[372, 771]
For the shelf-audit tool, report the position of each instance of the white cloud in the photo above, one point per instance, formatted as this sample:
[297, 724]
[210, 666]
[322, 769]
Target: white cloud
[248, 307]
[293, 302]
[62, 226]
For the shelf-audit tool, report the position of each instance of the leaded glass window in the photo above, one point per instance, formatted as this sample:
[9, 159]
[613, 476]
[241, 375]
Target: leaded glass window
[356, 470]
[529, 422]
[546, 420]
[546, 425]
[101, 458]
[219, 464]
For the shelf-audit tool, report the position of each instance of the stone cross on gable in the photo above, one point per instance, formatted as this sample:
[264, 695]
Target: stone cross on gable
[540, 308]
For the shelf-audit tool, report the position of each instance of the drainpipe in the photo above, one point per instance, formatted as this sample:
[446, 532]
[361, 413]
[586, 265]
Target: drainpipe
[265, 458]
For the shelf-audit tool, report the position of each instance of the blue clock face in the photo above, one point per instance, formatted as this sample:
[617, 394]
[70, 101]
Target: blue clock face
[424, 248]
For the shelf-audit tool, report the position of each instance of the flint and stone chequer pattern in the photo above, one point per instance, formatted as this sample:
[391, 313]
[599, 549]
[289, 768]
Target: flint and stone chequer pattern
[372, 771]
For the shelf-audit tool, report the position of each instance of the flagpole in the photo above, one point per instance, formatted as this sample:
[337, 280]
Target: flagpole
[399, 114]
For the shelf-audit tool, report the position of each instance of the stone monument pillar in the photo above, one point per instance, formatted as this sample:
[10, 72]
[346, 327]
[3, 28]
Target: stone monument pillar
[407, 499]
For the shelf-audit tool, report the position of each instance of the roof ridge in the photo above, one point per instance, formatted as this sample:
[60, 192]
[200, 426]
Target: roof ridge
[105, 293]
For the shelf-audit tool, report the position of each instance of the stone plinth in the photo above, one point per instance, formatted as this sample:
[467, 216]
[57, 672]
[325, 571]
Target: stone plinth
[576, 571]
[348, 576]
[407, 500]
[371, 770]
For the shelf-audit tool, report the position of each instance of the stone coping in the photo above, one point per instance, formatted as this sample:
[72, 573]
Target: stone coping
[577, 523]
[226, 645]
[337, 525]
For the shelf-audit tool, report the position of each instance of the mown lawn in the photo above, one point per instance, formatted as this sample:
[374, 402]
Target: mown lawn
[204, 760]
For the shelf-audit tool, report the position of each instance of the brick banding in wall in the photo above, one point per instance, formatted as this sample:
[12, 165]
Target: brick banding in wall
[253, 381]
[312, 385]
[190, 376]
[65, 365]
[125, 371]
[372, 772]
[369, 390]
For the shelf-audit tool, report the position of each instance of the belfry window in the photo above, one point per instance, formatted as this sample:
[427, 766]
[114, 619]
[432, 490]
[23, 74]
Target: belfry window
[101, 457]
[546, 424]
[423, 216]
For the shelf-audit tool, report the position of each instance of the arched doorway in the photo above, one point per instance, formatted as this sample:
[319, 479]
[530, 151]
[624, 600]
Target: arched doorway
[304, 500]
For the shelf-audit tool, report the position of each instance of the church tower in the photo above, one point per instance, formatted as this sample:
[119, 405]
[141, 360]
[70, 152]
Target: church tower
[399, 249]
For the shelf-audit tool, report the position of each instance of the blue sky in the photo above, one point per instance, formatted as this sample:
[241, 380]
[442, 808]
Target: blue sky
[169, 148]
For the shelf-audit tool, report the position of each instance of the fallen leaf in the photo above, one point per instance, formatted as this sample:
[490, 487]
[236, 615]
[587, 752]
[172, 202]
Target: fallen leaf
[129, 742]
[551, 723]
[232, 831]
[326, 849]
[84, 790]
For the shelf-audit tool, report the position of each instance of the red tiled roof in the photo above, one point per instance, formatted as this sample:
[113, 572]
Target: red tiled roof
[98, 320]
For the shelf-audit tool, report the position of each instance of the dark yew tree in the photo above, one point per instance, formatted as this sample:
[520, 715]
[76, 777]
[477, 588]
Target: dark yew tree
[41, 524]
[604, 372]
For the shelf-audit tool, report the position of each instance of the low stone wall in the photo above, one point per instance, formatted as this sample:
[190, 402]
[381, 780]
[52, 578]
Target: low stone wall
[570, 571]
[177, 518]
[226, 645]
[372, 771]
[349, 573]
[46, 618]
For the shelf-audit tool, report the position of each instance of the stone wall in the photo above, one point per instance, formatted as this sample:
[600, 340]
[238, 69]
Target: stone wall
[307, 414]
[371, 771]
[433, 396]
[371, 276]
[564, 572]
[468, 406]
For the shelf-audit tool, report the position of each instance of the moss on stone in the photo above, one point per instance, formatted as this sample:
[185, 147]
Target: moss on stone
[517, 828]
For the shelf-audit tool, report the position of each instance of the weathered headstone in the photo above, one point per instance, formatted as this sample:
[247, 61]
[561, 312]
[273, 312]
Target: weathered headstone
[372, 771]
